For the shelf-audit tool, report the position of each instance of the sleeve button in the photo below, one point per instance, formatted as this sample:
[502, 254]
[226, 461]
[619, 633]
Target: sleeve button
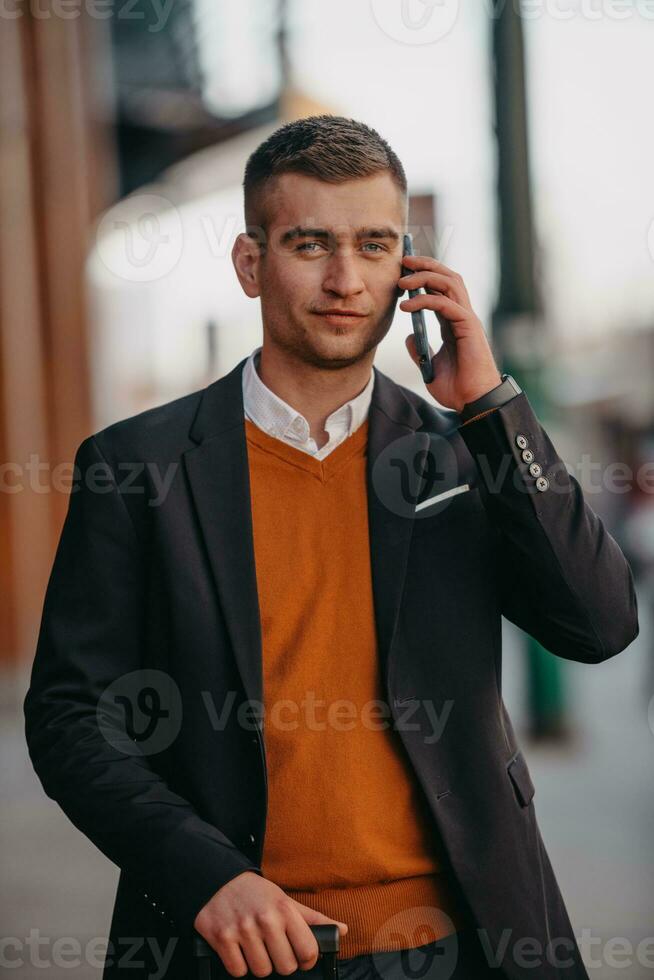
[542, 483]
[535, 469]
[521, 441]
[527, 455]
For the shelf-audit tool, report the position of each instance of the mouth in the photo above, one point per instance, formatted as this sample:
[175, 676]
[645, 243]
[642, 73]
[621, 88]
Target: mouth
[340, 317]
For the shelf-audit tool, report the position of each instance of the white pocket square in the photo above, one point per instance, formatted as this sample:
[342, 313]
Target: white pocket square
[442, 496]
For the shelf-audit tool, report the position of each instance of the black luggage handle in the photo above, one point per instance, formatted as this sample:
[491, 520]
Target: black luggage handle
[327, 937]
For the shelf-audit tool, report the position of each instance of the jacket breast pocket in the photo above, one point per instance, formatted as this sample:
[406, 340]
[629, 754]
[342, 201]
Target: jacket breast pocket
[449, 507]
[519, 775]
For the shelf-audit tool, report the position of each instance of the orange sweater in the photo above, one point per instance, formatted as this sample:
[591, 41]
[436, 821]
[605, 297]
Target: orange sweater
[348, 830]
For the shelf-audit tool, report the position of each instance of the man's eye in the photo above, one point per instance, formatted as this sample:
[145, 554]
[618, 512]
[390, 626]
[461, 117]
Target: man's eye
[312, 246]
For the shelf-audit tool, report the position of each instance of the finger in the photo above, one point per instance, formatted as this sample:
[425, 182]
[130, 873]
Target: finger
[410, 343]
[279, 948]
[436, 281]
[255, 951]
[419, 262]
[231, 956]
[303, 942]
[438, 303]
[315, 918]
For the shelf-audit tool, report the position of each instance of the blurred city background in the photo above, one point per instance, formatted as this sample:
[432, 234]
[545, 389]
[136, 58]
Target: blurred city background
[527, 139]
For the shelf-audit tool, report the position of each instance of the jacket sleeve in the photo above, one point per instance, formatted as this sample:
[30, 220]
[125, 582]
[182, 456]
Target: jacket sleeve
[563, 578]
[90, 635]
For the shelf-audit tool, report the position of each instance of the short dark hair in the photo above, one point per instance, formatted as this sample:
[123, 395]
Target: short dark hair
[331, 148]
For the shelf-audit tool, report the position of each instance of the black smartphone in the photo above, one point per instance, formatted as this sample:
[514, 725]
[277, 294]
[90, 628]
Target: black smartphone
[418, 321]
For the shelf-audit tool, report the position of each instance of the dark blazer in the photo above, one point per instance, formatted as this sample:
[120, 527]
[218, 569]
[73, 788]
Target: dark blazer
[162, 582]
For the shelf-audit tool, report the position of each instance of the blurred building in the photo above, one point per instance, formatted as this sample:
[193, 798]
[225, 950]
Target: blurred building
[95, 111]
[57, 170]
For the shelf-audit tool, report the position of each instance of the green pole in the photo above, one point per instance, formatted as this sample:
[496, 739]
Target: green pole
[518, 315]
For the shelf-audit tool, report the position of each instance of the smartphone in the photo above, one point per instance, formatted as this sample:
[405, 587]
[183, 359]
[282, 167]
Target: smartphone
[418, 321]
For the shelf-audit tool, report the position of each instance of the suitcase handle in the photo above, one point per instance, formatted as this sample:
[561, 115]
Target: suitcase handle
[327, 937]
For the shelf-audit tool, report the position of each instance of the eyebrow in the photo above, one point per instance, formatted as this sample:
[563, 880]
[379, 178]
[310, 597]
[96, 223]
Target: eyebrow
[360, 233]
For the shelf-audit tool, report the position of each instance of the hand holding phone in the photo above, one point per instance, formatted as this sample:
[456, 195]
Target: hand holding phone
[418, 321]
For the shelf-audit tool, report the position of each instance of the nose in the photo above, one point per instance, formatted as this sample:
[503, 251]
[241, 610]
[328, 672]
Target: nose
[343, 277]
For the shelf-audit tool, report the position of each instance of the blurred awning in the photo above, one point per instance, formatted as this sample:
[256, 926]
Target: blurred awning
[191, 74]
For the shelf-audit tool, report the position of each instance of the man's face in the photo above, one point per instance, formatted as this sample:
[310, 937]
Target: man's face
[330, 247]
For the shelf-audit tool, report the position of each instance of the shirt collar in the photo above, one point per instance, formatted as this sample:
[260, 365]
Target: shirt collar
[272, 414]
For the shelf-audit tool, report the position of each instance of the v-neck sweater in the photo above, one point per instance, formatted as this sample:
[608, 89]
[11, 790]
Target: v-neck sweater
[348, 831]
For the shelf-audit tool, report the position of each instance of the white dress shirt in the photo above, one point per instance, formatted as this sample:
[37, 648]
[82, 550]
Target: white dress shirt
[277, 418]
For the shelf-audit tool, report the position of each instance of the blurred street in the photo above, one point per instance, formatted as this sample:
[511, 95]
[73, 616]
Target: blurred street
[593, 800]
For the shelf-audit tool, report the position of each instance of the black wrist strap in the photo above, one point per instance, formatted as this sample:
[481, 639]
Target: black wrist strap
[507, 389]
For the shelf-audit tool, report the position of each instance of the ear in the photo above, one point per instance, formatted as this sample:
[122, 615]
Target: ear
[246, 256]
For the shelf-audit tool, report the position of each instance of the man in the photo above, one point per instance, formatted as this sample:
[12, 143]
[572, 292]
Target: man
[271, 691]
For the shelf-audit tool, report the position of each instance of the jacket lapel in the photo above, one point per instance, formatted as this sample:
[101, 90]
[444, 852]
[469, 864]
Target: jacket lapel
[394, 446]
[218, 476]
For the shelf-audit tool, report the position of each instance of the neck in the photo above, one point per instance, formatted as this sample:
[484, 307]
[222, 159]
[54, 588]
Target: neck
[313, 392]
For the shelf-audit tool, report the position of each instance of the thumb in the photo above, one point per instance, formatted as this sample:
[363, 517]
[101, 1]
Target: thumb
[410, 343]
[314, 918]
